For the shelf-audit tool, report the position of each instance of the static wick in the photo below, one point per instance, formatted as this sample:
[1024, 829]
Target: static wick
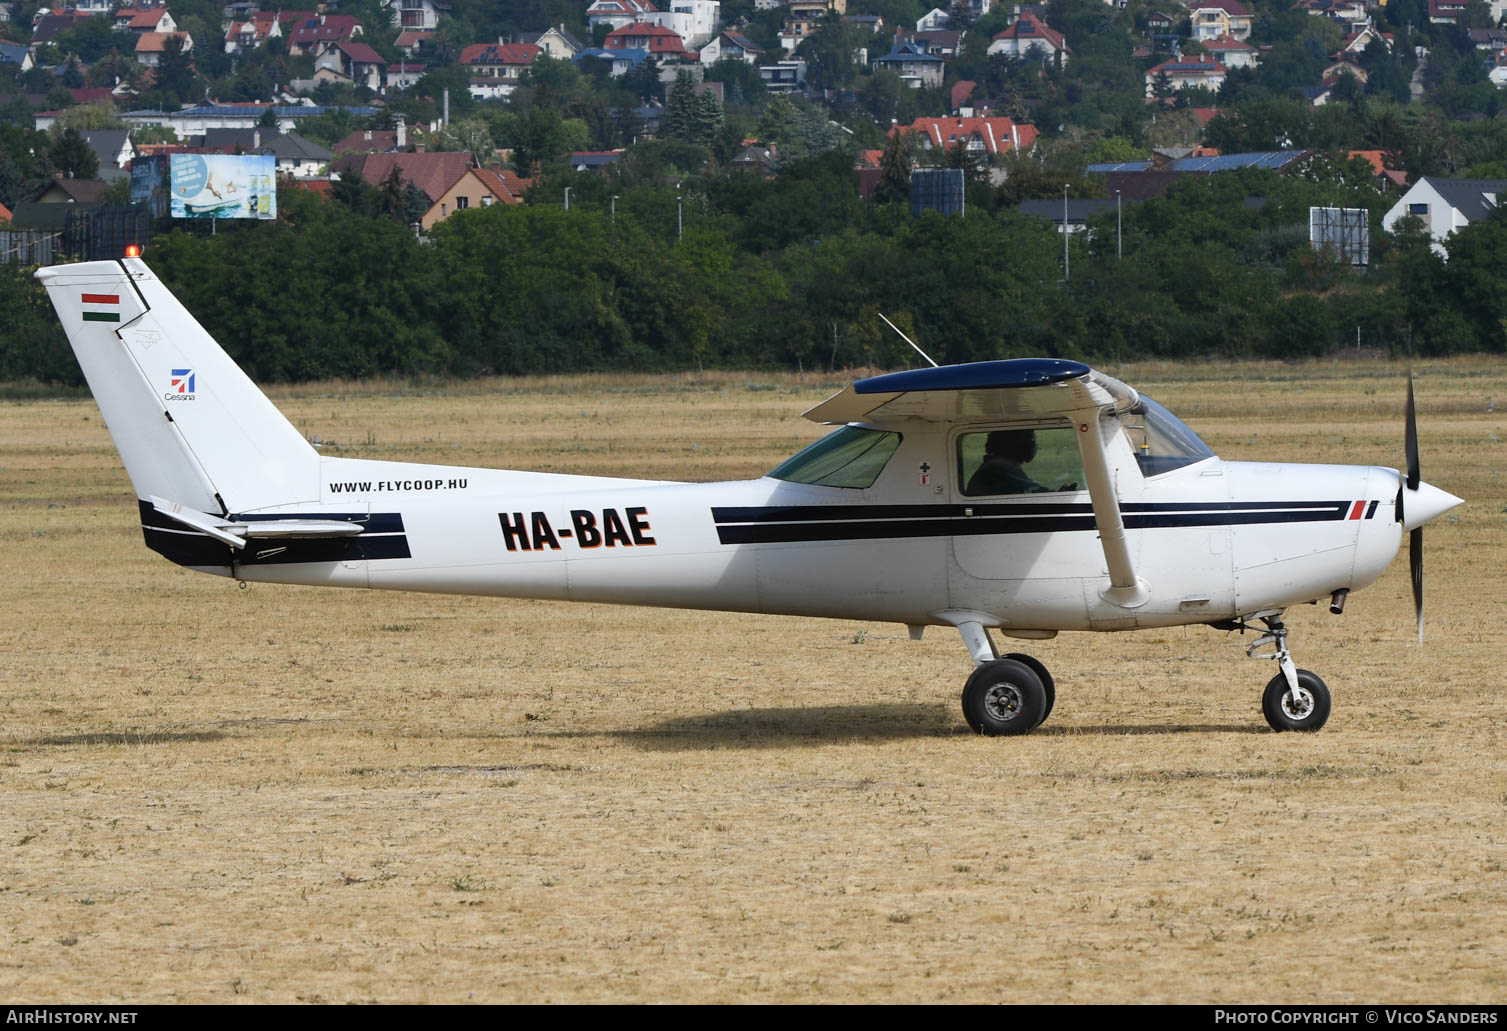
[907, 339]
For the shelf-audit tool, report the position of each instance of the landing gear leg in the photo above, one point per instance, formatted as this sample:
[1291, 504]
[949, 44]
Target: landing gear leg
[1295, 699]
[1006, 695]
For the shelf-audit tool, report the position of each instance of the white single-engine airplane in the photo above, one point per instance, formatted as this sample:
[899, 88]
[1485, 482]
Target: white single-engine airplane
[1027, 496]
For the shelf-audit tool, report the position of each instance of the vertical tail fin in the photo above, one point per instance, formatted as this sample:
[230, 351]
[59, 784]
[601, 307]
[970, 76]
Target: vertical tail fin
[190, 426]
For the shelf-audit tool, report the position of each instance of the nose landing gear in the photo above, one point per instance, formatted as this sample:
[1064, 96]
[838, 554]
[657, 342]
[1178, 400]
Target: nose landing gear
[1295, 699]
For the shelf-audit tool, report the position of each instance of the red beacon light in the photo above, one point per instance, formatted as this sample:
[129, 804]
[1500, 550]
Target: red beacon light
[133, 250]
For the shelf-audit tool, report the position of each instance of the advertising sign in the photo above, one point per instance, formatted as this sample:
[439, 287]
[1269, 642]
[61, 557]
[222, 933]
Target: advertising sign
[224, 186]
[149, 183]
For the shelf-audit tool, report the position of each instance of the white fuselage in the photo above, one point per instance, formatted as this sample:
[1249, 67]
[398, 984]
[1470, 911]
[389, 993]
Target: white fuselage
[1212, 541]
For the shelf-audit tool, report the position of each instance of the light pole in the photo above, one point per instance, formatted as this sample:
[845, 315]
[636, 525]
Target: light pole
[1119, 237]
[1064, 234]
[614, 209]
[567, 198]
[679, 222]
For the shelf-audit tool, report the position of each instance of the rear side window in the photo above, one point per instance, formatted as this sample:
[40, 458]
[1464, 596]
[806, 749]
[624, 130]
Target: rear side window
[851, 457]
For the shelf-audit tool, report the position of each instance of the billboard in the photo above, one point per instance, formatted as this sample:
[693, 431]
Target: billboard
[936, 189]
[224, 186]
[1346, 231]
[149, 183]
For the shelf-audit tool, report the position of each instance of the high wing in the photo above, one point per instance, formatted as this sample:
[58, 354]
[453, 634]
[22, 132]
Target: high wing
[1027, 390]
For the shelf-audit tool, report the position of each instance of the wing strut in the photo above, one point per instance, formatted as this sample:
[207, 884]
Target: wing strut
[1125, 588]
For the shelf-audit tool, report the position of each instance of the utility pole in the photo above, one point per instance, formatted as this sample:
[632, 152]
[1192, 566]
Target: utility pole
[1064, 234]
[1119, 238]
[614, 209]
[567, 198]
[679, 222]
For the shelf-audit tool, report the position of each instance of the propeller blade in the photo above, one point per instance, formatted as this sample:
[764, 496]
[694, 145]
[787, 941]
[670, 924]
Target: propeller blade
[1411, 438]
[1415, 566]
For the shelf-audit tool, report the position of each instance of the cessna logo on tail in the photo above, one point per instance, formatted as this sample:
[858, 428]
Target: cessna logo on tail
[181, 386]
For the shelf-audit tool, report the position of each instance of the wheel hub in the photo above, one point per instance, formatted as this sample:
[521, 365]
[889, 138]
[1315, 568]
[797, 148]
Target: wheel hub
[1002, 702]
[1299, 706]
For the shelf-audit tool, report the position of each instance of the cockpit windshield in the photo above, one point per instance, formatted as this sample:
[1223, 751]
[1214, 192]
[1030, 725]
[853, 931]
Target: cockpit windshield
[851, 457]
[1161, 441]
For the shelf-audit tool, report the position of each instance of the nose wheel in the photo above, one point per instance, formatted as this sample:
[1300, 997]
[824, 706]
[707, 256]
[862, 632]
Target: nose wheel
[1295, 699]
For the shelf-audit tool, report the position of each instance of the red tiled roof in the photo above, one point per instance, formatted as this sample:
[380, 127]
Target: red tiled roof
[1230, 7]
[433, 172]
[1226, 43]
[660, 39]
[500, 53]
[999, 135]
[1028, 26]
[493, 181]
[366, 141]
[156, 42]
[335, 27]
[360, 53]
[4, 215]
[961, 91]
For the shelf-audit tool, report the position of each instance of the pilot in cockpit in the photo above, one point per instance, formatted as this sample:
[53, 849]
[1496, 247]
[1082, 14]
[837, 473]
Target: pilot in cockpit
[1005, 453]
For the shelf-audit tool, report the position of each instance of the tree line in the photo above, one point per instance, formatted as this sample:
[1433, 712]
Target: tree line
[739, 270]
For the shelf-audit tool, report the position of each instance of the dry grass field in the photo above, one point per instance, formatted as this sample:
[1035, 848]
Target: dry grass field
[290, 794]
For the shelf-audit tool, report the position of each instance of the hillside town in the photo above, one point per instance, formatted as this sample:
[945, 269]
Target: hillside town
[784, 125]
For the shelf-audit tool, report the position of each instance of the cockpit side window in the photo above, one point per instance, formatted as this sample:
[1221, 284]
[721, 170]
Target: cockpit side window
[1161, 441]
[852, 457]
[1019, 461]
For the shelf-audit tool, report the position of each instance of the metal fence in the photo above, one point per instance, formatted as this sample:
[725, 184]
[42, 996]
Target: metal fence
[90, 234]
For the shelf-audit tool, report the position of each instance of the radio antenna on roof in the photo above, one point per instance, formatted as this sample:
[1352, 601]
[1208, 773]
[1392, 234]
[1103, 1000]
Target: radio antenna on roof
[907, 339]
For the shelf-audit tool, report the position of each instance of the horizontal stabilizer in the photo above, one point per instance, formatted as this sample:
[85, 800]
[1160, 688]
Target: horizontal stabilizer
[235, 534]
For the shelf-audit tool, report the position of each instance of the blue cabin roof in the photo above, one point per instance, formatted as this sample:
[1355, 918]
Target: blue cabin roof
[1011, 372]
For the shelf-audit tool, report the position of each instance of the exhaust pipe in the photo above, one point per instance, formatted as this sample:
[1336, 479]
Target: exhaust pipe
[1337, 600]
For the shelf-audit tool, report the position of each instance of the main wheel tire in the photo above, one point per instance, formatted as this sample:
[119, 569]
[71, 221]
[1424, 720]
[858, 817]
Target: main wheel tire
[1042, 674]
[1004, 696]
[1308, 711]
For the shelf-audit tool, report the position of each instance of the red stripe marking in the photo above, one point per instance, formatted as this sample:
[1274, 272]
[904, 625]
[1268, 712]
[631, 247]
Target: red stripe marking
[102, 298]
[1356, 509]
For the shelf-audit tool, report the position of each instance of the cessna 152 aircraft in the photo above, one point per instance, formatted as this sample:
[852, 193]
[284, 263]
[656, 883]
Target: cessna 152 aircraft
[1027, 497]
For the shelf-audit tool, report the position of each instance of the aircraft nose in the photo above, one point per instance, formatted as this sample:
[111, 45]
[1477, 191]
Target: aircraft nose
[1425, 504]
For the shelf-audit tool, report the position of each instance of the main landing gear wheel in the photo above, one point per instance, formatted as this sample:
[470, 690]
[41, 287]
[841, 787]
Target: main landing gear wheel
[1308, 709]
[1041, 674]
[1004, 696]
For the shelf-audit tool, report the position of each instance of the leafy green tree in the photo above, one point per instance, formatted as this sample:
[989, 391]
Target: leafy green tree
[72, 156]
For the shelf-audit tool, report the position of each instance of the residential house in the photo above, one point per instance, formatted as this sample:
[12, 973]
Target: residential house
[1346, 12]
[1140, 179]
[1339, 68]
[313, 34]
[405, 74]
[451, 180]
[150, 46]
[664, 44]
[417, 14]
[555, 42]
[373, 141]
[1493, 41]
[1029, 36]
[805, 17]
[1231, 52]
[936, 18]
[355, 63]
[943, 43]
[412, 41]
[496, 68]
[4, 211]
[617, 14]
[114, 150]
[694, 21]
[1445, 205]
[1159, 22]
[866, 22]
[731, 46]
[1183, 72]
[245, 36]
[144, 19]
[618, 62]
[979, 136]
[296, 157]
[16, 54]
[1213, 18]
[593, 160]
[1069, 216]
[49, 26]
[915, 67]
[1356, 42]
[1386, 178]
[60, 190]
[1446, 12]
[783, 76]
